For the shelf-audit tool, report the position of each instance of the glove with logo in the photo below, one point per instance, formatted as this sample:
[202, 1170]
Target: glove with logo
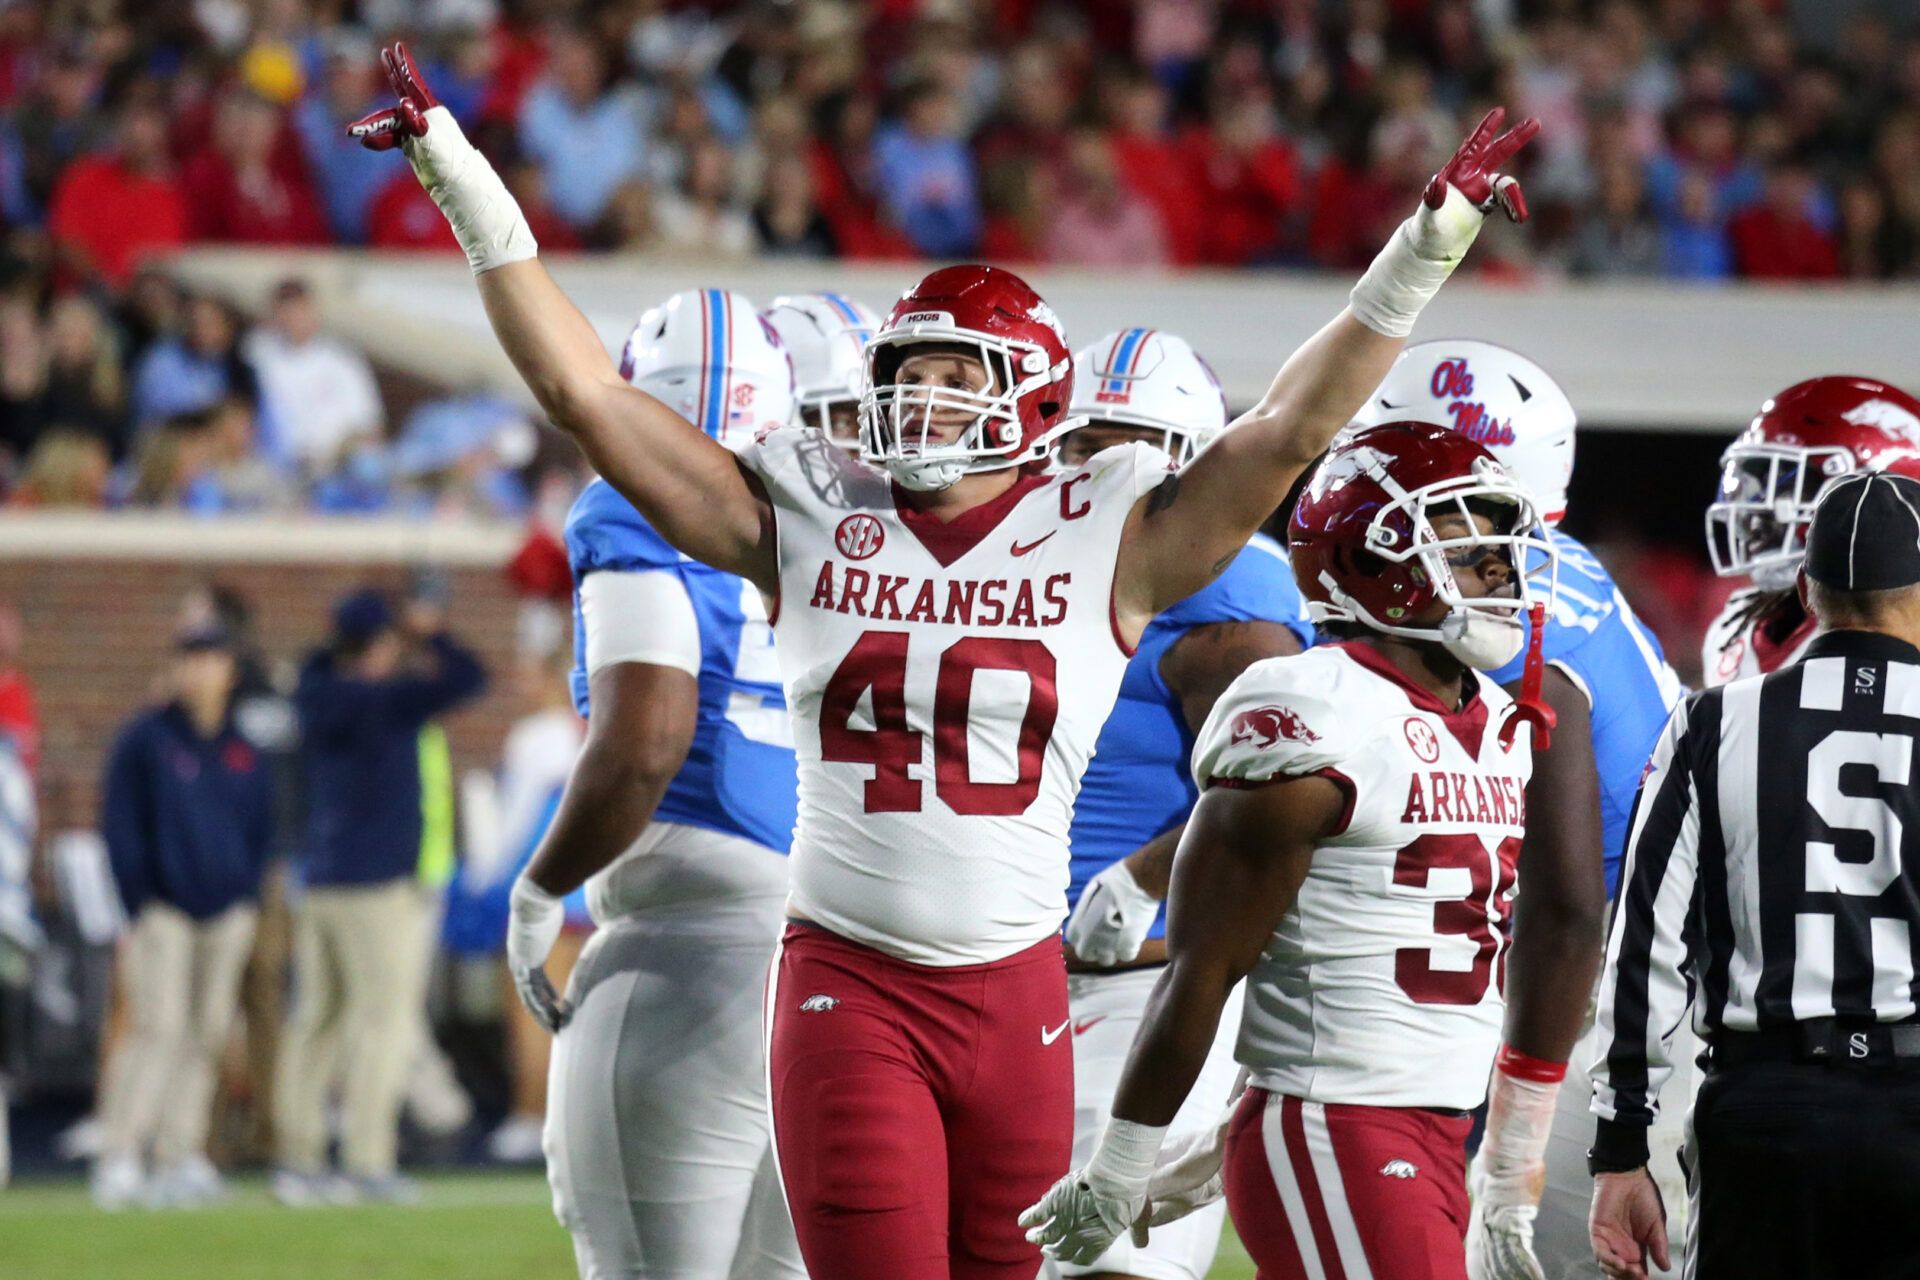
[1085, 1212]
[485, 217]
[1112, 918]
[534, 920]
[1511, 1169]
[1430, 244]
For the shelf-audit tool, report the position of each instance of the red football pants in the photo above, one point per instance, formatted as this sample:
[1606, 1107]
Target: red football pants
[917, 1110]
[1329, 1192]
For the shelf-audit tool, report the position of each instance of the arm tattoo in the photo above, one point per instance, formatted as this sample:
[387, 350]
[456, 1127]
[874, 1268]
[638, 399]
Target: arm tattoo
[1165, 494]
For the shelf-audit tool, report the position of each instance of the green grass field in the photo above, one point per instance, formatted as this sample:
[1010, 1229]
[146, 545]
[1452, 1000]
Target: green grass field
[466, 1227]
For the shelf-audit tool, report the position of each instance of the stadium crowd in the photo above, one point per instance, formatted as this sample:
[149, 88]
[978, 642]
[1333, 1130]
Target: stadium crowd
[1709, 139]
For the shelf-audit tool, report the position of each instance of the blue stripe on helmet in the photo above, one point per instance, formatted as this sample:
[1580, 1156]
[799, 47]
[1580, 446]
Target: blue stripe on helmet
[1123, 358]
[713, 419]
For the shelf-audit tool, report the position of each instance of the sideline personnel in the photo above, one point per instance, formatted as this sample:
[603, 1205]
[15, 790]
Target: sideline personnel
[1767, 872]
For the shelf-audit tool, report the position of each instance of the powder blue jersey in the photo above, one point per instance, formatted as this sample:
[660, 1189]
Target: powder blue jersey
[1138, 785]
[739, 773]
[1594, 638]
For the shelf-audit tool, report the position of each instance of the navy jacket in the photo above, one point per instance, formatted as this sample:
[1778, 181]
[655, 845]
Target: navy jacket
[362, 742]
[186, 819]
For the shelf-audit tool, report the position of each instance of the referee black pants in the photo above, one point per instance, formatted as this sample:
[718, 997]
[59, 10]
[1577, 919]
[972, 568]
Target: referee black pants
[1800, 1171]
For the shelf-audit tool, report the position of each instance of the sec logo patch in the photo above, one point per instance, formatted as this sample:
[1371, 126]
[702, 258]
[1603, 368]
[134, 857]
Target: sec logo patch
[1423, 740]
[859, 536]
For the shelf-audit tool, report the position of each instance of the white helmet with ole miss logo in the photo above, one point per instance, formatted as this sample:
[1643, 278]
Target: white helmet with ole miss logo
[1497, 398]
[707, 355]
[1148, 379]
[826, 334]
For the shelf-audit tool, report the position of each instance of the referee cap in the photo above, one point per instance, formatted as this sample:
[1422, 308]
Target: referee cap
[1866, 533]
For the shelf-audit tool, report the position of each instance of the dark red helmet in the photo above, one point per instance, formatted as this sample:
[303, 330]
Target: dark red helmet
[992, 316]
[1365, 550]
[1801, 441]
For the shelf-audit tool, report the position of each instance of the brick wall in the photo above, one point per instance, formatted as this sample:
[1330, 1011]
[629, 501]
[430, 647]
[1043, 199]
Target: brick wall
[98, 637]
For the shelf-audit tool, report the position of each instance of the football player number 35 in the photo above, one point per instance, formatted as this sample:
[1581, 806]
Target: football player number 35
[1473, 915]
[877, 666]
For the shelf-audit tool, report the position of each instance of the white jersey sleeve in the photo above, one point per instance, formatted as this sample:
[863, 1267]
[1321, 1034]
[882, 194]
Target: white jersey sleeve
[947, 682]
[1382, 985]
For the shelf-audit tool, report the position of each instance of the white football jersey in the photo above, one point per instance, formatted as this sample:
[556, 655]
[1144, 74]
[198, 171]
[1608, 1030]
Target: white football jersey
[946, 683]
[1382, 985]
[1736, 647]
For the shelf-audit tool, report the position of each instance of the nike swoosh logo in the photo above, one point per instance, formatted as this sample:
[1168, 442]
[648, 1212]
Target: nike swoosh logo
[1020, 550]
[1048, 1037]
[1085, 1025]
[1391, 408]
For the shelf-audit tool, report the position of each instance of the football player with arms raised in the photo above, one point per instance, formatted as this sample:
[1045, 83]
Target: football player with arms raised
[952, 626]
[1771, 477]
[1353, 857]
[1148, 385]
[1611, 691]
[677, 818]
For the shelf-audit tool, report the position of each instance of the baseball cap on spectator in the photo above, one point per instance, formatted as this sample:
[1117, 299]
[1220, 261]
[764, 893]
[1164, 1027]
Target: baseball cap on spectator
[203, 637]
[361, 615]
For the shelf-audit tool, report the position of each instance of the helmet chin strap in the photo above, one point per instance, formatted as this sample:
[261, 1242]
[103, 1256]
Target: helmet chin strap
[1530, 708]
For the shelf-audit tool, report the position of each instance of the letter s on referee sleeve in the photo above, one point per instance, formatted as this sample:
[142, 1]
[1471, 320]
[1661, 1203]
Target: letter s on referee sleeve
[1645, 985]
[639, 617]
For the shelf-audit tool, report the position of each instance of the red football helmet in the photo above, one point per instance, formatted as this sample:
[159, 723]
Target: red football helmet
[995, 317]
[1364, 547]
[1801, 441]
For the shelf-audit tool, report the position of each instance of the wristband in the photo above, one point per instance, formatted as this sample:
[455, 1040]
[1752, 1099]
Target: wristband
[485, 217]
[1524, 1066]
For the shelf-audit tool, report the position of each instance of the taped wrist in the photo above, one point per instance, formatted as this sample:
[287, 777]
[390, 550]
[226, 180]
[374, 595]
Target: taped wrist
[1513, 1156]
[1124, 1160]
[485, 217]
[1408, 272]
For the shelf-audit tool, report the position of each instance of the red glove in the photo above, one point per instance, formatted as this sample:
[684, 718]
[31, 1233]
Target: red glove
[385, 130]
[1475, 167]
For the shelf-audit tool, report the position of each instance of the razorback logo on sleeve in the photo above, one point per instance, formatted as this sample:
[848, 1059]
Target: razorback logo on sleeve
[1266, 726]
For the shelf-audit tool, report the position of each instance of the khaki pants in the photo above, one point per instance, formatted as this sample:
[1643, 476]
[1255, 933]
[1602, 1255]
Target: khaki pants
[357, 951]
[182, 981]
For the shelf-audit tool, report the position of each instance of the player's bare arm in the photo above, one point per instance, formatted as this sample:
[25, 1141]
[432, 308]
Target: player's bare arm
[1241, 863]
[637, 738]
[1185, 532]
[686, 484]
[1561, 912]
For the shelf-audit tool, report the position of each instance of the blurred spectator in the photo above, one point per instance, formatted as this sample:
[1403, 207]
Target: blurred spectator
[460, 456]
[586, 132]
[348, 176]
[1693, 233]
[323, 388]
[19, 714]
[1245, 180]
[358, 926]
[196, 369]
[1875, 242]
[65, 374]
[1622, 240]
[114, 208]
[787, 222]
[234, 474]
[169, 461]
[1100, 221]
[243, 188]
[186, 813]
[628, 224]
[701, 220]
[65, 469]
[924, 175]
[60, 120]
[1779, 239]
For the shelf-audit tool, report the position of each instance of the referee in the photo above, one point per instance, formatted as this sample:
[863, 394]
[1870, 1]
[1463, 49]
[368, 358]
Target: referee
[1772, 880]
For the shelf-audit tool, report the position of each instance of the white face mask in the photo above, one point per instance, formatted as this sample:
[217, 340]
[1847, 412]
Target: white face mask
[1776, 576]
[1481, 638]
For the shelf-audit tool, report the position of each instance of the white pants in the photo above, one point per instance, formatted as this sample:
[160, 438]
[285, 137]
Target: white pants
[1106, 1009]
[1560, 1232]
[657, 1135]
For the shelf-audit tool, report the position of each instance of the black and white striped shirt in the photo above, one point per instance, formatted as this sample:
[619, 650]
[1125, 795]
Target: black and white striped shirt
[1766, 878]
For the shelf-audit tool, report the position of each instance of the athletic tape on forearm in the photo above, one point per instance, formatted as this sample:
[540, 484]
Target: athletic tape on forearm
[485, 217]
[1513, 1155]
[1126, 1155]
[1417, 260]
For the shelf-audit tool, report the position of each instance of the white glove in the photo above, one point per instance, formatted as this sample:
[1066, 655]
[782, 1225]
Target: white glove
[534, 920]
[1085, 1212]
[1190, 1174]
[1508, 1176]
[1112, 918]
